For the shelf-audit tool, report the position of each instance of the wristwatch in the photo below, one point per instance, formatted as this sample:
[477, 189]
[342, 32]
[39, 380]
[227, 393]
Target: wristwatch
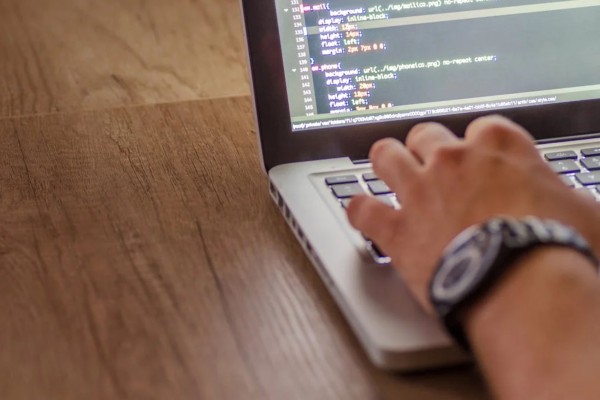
[478, 256]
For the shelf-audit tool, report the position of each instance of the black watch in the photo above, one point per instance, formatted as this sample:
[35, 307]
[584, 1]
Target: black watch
[477, 257]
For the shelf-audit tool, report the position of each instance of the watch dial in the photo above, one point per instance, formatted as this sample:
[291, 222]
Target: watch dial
[456, 273]
[464, 265]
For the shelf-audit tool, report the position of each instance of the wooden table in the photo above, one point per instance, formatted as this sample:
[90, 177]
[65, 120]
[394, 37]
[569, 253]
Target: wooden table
[140, 254]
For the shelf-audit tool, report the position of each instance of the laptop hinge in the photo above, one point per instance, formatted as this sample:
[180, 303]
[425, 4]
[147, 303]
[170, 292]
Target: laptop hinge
[361, 161]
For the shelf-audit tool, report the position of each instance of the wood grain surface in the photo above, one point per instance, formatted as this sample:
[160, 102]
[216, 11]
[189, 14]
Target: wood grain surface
[65, 55]
[141, 258]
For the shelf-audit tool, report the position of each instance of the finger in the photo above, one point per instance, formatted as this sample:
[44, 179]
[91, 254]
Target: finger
[393, 163]
[374, 219]
[424, 139]
[500, 133]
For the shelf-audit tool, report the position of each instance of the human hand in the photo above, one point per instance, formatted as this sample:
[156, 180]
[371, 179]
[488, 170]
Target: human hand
[446, 184]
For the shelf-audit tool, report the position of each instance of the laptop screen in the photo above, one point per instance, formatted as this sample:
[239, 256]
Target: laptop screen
[350, 62]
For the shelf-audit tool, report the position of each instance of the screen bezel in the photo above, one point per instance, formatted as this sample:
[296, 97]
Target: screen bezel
[280, 145]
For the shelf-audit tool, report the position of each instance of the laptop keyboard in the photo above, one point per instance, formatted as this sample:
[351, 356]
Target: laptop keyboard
[344, 187]
[579, 170]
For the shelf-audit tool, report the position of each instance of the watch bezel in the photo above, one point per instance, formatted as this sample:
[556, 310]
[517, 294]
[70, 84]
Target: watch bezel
[469, 242]
[462, 270]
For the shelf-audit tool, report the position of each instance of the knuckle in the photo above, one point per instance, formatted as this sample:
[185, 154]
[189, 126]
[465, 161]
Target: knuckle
[447, 155]
[415, 135]
[386, 157]
[496, 131]
[491, 129]
[380, 148]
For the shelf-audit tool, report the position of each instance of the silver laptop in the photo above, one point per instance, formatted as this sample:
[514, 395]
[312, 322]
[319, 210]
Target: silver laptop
[330, 77]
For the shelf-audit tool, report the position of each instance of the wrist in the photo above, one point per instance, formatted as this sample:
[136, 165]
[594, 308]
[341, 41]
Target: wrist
[534, 279]
[524, 329]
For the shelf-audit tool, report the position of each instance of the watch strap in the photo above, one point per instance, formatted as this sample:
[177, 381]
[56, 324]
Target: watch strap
[518, 236]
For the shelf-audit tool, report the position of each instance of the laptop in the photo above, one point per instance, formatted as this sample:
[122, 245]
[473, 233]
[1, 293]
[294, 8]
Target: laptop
[330, 77]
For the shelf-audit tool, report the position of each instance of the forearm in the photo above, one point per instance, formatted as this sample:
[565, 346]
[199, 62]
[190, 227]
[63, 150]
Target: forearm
[537, 334]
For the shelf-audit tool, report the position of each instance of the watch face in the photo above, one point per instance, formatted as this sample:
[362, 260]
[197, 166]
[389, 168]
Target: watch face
[462, 268]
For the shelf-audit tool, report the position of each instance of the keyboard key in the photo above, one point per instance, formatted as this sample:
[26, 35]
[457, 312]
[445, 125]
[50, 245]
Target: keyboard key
[334, 180]
[564, 166]
[370, 176]
[379, 256]
[568, 181]
[561, 155]
[591, 163]
[592, 152]
[379, 187]
[346, 190]
[345, 202]
[588, 178]
[387, 200]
